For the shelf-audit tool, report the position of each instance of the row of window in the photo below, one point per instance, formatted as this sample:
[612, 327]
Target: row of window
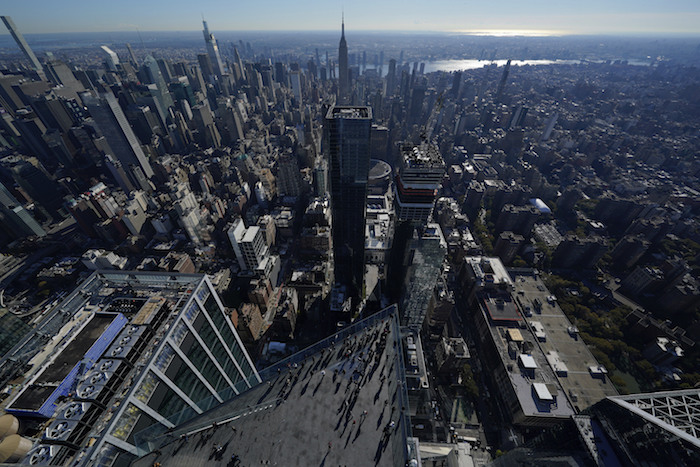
[197, 347]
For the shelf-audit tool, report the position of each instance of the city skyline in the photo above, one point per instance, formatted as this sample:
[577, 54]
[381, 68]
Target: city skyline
[509, 17]
[350, 247]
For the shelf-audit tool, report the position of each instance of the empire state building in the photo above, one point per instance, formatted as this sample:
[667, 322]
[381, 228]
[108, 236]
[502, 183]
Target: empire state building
[343, 74]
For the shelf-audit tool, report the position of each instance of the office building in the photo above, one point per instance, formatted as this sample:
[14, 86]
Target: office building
[60, 74]
[15, 218]
[124, 144]
[343, 71]
[35, 180]
[347, 141]
[155, 76]
[213, 52]
[295, 81]
[421, 169]
[112, 59]
[418, 182]
[320, 177]
[207, 133]
[248, 244]
[24, 47]
[426, 254]
[124, 352]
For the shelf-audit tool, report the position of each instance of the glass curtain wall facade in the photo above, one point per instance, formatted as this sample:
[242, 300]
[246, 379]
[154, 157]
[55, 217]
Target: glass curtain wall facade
[199, 363]
[347, 142]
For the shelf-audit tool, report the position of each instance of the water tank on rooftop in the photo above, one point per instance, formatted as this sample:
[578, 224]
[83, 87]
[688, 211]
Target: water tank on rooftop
[9, 425]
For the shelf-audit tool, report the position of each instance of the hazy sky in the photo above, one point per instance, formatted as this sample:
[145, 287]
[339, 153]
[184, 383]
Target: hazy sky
[561, 16]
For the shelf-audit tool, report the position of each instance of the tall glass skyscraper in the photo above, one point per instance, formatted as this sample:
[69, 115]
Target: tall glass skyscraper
[213, 51]
[114, 126]
[22, 43]
[347, 143]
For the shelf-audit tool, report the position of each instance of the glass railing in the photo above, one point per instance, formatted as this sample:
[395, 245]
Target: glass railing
[401, 445]
[157, 436]
[272, 371]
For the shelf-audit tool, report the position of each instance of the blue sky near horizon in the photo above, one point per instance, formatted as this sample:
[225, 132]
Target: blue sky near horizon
[559, 17]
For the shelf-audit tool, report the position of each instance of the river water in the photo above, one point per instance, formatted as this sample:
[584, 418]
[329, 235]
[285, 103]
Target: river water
[473, 64]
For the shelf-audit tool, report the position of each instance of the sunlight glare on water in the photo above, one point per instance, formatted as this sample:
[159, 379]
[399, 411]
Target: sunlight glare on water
[511, 32]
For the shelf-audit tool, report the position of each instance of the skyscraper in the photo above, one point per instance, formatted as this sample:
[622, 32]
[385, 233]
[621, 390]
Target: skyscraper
[213, 51]
[391, 78]
[36, 181]
[295, 81]
[160, 93]
[305, 418]
[112, 59]
[112, 122]
[347, 142]
[343, 73]
[417, 185]
[22, 44]
[427, 253]
[15, 218]
[503, 82]
[418, 182]
[289, 177]
[132, 55]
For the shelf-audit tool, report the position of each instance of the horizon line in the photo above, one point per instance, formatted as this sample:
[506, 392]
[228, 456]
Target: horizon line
[501, 33]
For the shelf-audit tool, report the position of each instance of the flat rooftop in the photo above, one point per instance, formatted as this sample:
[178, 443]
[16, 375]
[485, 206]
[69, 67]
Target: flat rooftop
[561, 340]
[500, 307]
[309, 410]
[349, 112]
[250, 234]
[55, 371]
[489, 272]
[532, 379]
